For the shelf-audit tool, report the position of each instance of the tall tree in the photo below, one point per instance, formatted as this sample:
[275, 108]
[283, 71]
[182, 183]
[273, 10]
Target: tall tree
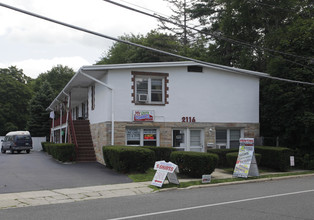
[15, 94]
[38, 123]
[181, 21]
[249, 34]
[123, 53]
[57, 77]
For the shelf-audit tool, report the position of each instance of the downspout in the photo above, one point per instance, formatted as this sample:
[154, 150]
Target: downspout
[66, 122]
[61, 115]
[60, 119]
[112, 101]
[53, 125]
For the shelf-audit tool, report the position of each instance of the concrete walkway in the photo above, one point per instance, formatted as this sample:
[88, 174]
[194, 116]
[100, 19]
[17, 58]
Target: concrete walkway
[57, 196]
[46, 197]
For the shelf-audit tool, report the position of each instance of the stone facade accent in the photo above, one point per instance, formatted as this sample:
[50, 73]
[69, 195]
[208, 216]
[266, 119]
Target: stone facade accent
[101, 132]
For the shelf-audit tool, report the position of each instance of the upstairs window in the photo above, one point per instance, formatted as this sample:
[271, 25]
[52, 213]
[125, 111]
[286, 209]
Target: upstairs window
[149, 88]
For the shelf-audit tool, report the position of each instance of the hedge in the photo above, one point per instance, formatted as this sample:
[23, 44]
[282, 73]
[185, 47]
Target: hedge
[222, 161]
[127, 159]
[43, 145]
[232, 158]
[194, 164]
[61, 152]
[161, 153]
[277, 158]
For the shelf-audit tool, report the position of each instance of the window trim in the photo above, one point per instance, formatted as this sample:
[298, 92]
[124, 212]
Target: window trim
[150, 75]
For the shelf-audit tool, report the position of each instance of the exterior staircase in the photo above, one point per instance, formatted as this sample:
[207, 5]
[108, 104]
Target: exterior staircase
[86, 152]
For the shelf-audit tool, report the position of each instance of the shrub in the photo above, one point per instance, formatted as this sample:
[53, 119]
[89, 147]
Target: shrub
[61, 152]
[161, 153]
[43, 145]
[126, 159]
[194, 164]
[222, 161]
[232, 158]
[277, 158]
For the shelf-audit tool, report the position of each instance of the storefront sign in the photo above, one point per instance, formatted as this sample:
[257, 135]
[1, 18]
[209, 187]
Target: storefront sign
[140, 115]
[165, 169]
[246, 162]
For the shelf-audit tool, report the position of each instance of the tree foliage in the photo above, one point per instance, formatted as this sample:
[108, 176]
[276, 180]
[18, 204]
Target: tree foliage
[181, 19]
[123, 53]
[24, 100]
[249, 34]
[57, 77]
[15, 95]
[39, 123]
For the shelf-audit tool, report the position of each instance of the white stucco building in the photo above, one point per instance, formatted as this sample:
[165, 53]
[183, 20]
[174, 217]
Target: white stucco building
[185, 105]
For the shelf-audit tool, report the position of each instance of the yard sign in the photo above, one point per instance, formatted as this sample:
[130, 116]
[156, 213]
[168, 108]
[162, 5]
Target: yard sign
[163, 170]
[246, 162]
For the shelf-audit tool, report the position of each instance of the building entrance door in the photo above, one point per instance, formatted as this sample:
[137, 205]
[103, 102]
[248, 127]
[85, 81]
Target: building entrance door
[188, 139]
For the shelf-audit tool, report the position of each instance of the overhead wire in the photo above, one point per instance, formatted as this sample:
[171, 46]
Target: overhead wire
[216, 35]
[144, 47]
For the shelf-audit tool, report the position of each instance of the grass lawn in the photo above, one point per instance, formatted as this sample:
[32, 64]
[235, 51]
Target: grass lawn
[264, 173]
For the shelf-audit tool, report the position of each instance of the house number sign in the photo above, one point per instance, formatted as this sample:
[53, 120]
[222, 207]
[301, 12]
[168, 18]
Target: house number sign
[188, 119]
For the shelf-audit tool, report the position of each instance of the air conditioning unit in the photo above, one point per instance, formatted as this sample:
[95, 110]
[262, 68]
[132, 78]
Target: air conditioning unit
[142, 97]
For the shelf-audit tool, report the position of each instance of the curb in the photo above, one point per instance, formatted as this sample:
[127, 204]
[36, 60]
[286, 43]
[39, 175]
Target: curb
[237, 182]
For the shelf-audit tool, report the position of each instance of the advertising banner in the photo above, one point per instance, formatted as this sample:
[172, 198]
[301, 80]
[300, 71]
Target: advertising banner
[165, 169]
[246, 162]
[143, 115]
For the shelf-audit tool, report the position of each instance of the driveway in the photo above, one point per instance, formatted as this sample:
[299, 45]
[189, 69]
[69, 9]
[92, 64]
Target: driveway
[38, 171]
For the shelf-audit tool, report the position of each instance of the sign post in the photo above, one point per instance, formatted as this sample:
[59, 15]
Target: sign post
[246, 163]
[163, 170]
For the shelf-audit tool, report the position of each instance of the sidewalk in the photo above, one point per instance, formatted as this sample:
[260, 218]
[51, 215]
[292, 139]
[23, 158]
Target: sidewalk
[57, 196]
[46, 197]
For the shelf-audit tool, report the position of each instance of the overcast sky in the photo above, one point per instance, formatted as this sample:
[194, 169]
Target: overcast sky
[36, 46]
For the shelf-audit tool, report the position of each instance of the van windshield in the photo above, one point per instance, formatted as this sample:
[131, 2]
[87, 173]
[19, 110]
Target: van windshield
[22, 137]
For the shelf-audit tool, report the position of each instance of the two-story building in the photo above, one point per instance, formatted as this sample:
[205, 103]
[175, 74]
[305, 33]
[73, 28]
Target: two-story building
[185, 105]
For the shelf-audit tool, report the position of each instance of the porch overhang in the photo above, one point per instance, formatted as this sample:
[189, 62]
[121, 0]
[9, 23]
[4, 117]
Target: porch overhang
[78, 87]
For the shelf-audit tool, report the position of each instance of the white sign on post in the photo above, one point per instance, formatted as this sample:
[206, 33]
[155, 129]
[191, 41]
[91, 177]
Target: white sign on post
[163, 170]
[292, 161]
[246, 163]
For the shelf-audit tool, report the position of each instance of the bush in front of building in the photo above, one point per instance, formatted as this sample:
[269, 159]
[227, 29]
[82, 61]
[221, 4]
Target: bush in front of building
[43, 145]
[126, 159]
[222, 161]
[61, 152]
[304, 159]
[194, 164]
[277, 158]
[232, 158]
[161, 153]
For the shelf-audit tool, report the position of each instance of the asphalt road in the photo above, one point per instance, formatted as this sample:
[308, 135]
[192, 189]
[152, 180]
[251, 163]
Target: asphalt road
[278, 199]
[38, 171]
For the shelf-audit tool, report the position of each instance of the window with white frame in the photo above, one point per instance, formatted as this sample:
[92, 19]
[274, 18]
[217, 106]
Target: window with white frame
[228, 138]
[142, 136]
[149, 88]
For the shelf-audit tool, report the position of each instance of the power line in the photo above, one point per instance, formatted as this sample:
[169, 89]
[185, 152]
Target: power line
[142, 46]
[216, 35]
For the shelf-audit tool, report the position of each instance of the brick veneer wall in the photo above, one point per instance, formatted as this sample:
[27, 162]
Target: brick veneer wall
[101, 132]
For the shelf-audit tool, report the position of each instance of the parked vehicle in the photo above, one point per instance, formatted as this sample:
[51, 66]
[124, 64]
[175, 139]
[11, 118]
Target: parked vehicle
[17, 141]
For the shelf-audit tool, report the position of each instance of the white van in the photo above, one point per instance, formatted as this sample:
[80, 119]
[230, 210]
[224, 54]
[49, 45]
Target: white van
[17, 141]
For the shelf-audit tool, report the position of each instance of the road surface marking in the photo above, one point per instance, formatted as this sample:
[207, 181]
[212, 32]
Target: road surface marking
[212, 205]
